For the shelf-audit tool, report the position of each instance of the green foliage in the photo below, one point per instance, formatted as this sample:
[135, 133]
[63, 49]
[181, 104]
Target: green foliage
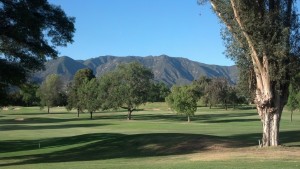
[217, 91]
[80, 77]
[199, 86]
[29, 33]
[50, 91]
[126, 87]
[88, 95]
[294, 98]
[272, 29]
[158, 92]
[28, 94]
[182, 100]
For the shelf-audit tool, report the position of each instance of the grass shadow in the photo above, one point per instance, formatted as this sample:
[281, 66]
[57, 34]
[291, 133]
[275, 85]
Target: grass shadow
[35, 120]
[207, 118]
[39, 113]
[231, 120]
[110, 146]
[46, 127]
[113, 145]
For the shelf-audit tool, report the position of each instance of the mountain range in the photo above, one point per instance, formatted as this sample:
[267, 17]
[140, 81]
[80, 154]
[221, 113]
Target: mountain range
[166, 69]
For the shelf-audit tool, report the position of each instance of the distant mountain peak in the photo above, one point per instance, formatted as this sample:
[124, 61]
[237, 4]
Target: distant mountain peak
[167, 69]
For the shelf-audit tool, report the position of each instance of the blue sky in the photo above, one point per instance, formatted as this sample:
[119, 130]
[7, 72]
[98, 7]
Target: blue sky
[178, 28]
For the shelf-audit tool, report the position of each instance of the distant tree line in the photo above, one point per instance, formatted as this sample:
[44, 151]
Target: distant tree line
[131, 85]
[127, 87]
[206, 91]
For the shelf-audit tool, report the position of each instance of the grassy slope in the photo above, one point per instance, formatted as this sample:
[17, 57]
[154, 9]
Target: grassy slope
[156, 138]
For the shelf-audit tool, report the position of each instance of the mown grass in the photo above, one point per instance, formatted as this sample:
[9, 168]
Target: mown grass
[155, 138]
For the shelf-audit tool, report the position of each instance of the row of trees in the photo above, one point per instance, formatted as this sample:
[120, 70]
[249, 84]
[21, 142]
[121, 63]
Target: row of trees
[86, 92]
[129, 86]
[211, 92]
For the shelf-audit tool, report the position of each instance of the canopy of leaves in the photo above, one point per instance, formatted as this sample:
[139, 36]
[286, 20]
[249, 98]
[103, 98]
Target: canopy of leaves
[50, 91]
[182, 100]
[81, 77]
[273, 31]
[88, 95]
[158, 92]
[127, 87]
[29, 32]
[28, 93]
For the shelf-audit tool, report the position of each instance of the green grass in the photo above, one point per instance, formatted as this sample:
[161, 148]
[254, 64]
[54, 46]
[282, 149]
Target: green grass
[155, 138]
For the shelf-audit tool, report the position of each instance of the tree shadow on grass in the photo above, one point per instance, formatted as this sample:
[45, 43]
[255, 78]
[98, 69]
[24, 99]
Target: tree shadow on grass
[45, 127]
[252, 139]
[25, 145]
[110, 146]
[40, 113]
[231, 120]
[36, 120]
[207, 118]
[110, 115]
[113, 145]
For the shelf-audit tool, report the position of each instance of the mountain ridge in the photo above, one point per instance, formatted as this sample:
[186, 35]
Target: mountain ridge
[170, 70]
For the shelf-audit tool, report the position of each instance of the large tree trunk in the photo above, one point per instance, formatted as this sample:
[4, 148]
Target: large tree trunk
[77, 112]
[270, 122]
[48, 109]
[91, 113]
[270, 102]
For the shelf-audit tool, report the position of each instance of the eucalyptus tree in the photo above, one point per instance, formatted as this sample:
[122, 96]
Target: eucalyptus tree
[127, 87]
[30, 31]
[263, 38]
